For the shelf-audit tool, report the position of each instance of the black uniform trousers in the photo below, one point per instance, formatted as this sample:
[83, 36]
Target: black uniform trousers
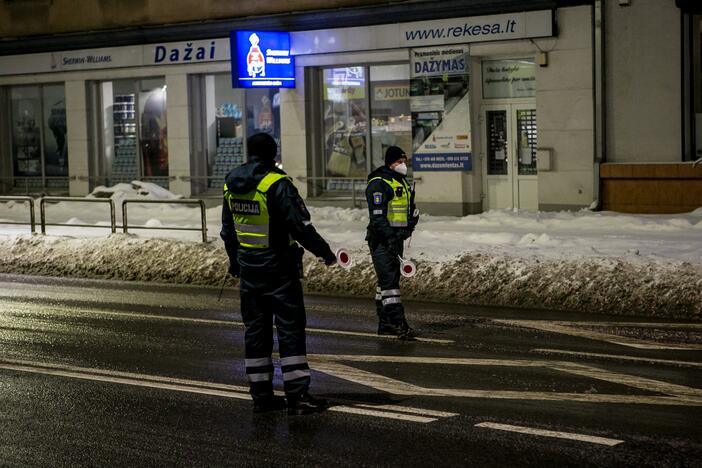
[265, 298]
[388, 302]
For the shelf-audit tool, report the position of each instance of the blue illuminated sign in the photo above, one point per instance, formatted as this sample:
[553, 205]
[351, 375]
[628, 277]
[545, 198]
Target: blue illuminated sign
[262, 59]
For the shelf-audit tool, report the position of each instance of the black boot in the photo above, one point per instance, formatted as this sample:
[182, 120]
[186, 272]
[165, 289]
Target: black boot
[387, 328]
[306, 404]
[403, 331]
[266, 404]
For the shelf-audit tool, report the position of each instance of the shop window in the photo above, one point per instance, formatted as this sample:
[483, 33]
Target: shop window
[263, 114]
[38, 138]
[135, 131]
[224, 118]
[365, 110]
[391, 118]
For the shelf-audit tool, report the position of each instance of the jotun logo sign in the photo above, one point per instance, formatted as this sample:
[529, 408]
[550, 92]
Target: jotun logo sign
[262, 59]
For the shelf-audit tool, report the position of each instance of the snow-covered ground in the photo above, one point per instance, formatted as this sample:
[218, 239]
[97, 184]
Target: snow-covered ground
[586, 261]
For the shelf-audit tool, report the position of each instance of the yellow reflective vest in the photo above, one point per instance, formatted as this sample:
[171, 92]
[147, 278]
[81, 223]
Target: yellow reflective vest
[250, 211]
[399, 205]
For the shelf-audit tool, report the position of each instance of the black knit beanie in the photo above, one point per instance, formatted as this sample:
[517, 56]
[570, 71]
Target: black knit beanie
[262, 146]
[392, 154]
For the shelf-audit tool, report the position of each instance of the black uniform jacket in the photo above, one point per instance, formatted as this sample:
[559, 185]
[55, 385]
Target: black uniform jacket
[288, 218]
[378, 195]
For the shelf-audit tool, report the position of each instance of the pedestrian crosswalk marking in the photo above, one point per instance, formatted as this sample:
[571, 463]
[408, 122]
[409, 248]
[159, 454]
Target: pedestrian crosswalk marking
[396, 412]
[619, 357]
[556, 434]
[672, 394]
[571, 328]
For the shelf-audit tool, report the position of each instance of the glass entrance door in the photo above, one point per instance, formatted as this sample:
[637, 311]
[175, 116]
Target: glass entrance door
[510, 174]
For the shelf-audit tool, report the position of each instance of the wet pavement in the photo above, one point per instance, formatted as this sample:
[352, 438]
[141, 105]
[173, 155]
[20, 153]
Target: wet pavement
[134, 374]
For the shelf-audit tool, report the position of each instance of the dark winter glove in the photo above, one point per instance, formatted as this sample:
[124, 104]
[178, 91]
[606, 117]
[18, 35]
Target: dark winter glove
[329, 258]
[393, 246]
[234, 268]
[405, 234]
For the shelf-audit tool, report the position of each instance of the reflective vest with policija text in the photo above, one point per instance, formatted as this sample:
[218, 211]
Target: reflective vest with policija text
[250, 211]
[399, 205]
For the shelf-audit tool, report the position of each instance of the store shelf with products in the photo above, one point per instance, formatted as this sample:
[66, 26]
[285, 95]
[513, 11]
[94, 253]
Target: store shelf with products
[230, 153]
[125, 164]
[26, 144]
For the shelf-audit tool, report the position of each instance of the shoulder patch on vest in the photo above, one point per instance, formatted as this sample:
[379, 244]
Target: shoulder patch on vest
[377, 198]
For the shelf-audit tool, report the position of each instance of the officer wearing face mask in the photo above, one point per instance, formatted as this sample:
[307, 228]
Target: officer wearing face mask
[392, 220]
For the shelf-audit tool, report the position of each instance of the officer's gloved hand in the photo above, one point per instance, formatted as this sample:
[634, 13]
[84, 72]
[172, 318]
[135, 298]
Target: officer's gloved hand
[405, 234]
[329, 260]
[234, 268]
[393, 246]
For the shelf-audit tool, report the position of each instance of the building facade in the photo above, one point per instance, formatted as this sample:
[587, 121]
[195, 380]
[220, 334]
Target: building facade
[544, 105]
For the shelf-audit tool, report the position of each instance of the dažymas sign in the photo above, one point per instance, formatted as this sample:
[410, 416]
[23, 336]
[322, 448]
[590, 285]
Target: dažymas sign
[262, 59]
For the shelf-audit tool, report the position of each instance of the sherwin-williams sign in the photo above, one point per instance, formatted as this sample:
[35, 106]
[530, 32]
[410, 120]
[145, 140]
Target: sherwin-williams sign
[262, 59]
[440, 105]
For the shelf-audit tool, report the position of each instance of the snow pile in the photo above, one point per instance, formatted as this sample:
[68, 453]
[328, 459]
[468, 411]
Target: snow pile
[136, 189]
[598, 285]
[585, 261]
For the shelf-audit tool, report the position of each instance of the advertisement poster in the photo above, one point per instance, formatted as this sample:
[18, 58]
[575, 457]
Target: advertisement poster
[440, 105]
[509, 78]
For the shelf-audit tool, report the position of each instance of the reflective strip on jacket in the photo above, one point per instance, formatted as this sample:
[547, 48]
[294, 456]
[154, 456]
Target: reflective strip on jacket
[399, 205]
[250, 212]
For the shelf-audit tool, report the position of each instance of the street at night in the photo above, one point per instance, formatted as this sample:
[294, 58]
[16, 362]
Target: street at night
[96, 373]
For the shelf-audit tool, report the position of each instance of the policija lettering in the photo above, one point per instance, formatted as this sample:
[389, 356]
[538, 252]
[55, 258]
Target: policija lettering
[246, 207]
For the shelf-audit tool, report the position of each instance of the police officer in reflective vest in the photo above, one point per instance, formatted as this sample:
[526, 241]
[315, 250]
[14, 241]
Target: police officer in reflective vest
[391, 212]
[263, 219]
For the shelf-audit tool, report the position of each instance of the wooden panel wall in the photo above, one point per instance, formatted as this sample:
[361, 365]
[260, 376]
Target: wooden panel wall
[651, 188]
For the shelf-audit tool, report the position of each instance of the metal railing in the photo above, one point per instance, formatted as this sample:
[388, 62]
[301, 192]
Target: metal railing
[29, 200]
[203, 216]
[42, 211]
[352, 189]
[37, 185]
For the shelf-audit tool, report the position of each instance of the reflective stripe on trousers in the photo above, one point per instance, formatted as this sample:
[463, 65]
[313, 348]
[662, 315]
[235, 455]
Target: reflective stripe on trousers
[259, 369]
[391, 296]
[294, 367]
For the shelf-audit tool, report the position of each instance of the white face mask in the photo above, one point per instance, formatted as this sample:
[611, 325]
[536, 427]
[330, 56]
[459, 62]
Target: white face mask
[401, 169]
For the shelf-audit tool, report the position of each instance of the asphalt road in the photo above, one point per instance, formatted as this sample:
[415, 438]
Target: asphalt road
[96, 373]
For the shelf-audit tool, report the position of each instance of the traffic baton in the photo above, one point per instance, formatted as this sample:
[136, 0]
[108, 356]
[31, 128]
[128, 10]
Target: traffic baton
[343, 258]
[407, 267]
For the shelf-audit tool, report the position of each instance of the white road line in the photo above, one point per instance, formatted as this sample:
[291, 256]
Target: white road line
[31, 308]
[127, 375]
[679, 395]
[556, 434]
[634, 381]
[381, 414]
[403, 413]
[368, 379]
[126, 381]
[433, 360]
[615, 356]
[569, 328]
[667, 325]
[410, 410]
